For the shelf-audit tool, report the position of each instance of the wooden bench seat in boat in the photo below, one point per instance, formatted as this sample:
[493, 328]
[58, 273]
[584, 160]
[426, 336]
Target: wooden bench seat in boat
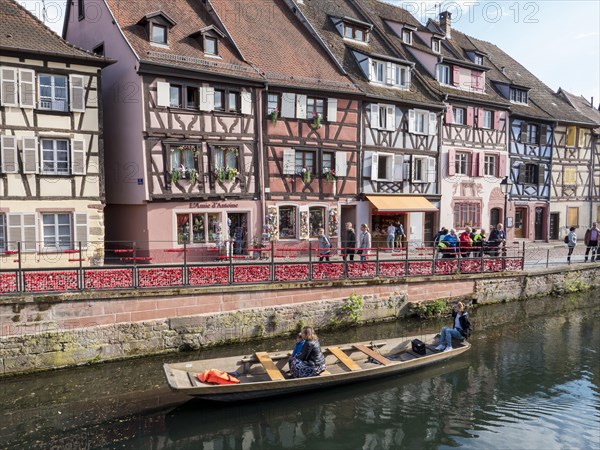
[343, 358]
[270, 368]
[376, 356]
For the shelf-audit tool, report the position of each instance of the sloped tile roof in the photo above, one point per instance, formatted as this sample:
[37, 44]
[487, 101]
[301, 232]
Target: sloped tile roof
[319, 12]
[273, 39]
[23, 32]
[183, 51]
[582, 105]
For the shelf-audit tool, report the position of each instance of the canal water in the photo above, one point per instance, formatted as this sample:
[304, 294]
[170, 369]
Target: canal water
[530, 381]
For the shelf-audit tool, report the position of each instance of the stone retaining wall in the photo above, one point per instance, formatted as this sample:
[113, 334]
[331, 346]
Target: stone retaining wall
[46, 332]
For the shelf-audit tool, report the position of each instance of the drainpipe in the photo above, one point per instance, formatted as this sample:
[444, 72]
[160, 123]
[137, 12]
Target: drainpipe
[440, 167]
[260, 159]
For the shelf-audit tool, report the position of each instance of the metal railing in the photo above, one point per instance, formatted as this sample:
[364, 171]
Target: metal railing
[135, 265]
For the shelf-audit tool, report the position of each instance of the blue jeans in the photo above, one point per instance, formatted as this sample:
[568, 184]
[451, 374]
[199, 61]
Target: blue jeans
[389, 243]
[447, 334]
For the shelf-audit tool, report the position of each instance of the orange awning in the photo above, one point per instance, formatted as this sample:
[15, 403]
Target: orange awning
[401, 203]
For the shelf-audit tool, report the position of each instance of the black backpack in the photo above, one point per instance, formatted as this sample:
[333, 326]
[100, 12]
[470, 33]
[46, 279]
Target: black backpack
[467, 327]
[566, 239]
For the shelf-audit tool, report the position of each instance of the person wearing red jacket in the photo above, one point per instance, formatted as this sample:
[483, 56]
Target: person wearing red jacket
[464, 242]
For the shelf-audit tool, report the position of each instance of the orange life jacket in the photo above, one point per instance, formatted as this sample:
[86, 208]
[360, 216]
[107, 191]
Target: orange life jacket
[215, 376]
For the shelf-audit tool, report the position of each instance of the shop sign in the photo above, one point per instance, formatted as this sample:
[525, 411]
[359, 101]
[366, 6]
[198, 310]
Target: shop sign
[213, 205]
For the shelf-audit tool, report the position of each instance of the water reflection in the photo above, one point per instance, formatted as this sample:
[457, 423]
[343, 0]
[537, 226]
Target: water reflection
[531, 382]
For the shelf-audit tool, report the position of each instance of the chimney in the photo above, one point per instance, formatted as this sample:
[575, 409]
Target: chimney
[592, 102]
[446, 23]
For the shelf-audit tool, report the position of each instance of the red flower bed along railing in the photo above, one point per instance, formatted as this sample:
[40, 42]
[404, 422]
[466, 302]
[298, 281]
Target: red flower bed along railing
[145, 277]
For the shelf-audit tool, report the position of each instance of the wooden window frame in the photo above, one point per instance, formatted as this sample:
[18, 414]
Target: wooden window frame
[314, 232]
[519, 96]
[436, 45]
[487, 113]
[353, 32]
[407, 37]
[487, 163]
[311, 112]
[179, 88]
[205, 47]
[444, 72]
[278, 101]
[55, 171]
[531, 172]
[164, 27]
[458, 163]
[463, 120]
[57, 237]
[473, 211]
[53, 99]
[533, 133]
[303, 153]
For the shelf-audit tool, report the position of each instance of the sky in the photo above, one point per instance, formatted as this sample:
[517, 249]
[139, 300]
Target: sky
[558, 41]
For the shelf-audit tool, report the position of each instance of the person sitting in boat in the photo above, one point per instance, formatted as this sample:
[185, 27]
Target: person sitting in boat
[311, 361]
[297, 348]
[460, 331]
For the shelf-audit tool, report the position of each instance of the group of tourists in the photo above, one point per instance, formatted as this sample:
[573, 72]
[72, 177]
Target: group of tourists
[591, 238]
[449, 243]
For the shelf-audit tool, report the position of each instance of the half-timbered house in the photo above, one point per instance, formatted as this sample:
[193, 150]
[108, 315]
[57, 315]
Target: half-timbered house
[575, 197]
[399, 118]
[182, 162]
[308, 113]
[538, 118]
[474, 155]
[51, 178]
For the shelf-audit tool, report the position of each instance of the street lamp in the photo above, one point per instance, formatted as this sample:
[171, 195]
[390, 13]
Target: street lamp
[506, 185]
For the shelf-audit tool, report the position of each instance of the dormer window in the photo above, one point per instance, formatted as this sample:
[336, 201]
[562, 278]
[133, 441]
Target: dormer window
[436, 45]
[208, 37]
[478, 59]
[443, 74]
[157, 26]
[407, 36]
[355, 32]
[389, 73]
[210, 45]
[518, 95]
[158, 34]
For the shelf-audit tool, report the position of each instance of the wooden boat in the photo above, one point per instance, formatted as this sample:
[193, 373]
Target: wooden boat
[265, 374]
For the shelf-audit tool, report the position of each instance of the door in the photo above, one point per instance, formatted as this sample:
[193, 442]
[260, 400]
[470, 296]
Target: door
[520, 221]
[238, 232]
[539, 224]
[494, 217]
[428, 229]
[554, 225]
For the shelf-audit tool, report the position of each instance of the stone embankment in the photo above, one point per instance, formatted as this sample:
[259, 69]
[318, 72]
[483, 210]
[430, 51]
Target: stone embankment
[46, 332]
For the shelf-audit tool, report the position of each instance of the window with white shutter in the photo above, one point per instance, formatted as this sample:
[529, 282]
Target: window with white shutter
[391, 117]
[432, 126]
[411, 121]
[288, 105]
[431, 172]
[3, 234]
[374, 115]
[374, 166]
[246, 100]
[26, 88]
[398, 168]
[8, 87]
[29, 147]
[77, 91]
[301, 106]
[163, 94]
[78, 164]
[81, 230]
[8, 154]
[341, 164]
[22, 228]
[289, 161]
[332, 109]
